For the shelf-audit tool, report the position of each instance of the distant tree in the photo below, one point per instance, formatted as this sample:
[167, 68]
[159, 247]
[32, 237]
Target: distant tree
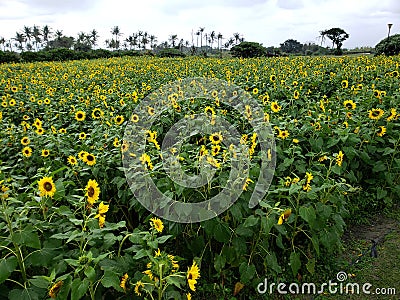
[46, 33]
[389, 45]
[201, 30]
[116, 33]
[248, 49]
[153, 40]
[94, 35]
[3, 43]
[83, 42]
[219, 40]
[236, 36]
[172, 39]
[291, 46]
[61, 42]
[337, 36]
[36, 35]
[20, 39]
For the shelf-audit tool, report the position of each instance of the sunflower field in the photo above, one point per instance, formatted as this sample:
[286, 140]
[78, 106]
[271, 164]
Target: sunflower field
[71, 227]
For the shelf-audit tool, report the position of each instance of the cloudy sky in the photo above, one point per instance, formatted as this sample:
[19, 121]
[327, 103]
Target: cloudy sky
[269, 22]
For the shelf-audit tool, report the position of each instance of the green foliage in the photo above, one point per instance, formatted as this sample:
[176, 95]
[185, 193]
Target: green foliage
[9, 57]
[170, 52]
[389, 45]
[248, 49]
[291, 46]
[337, 36]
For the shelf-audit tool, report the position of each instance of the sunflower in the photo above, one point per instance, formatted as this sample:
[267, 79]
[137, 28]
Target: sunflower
[272, 78]
[92, 191]
[135, 118]
[150, 110]
[55, 289]
[97, 113]
[82, 136]
[375, 113]
[39, 131]
[157, 224]
[45, 152]
[62, 130]
[377, 93]
[246, 184]
[124, 146]
[37, 123]
[82, 154]
[72, 160]
[393, 114]
[124, 279]
[12, 102]
[189, 296]
[296, 94]
[47, 187]
[284, 216]
[119, 120]
[275, 107]
[80, 116]
[117, 143]
[193, 274]
[345, 84]
[27, 151]
[381, 131]
[216, 138]
[138, 286]
[14, 89]
[215, 150]
[349, 104]
[339, 158]
[25, 141]
[89, 159]
[255, 91]
[283, 134]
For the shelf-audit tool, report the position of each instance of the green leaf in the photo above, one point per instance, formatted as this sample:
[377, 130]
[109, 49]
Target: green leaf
[219, 262]
[163, 239]
[251, 221]
[272, 263]
[27, 237]
[110, 279]
[79, 288]
[379, 167]
[247, 272]
[25, 294]
[174, 281]
[308, 214]
[311, 265]
[90, 273]
[222, 233]
[40, 282]
[7, 266]
[295, 262]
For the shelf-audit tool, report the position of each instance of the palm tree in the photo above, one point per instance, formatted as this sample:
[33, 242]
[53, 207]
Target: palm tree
[219, 37]
[59, 34]
[201, 29]
[36, 35]
[20, 38]
[236, 36]
[197, 33]
[3, 42]
[130, 40]
[28, 33]
[153, 40]
[117, 32]
[172, 39]
[94, 35]
[212, 38]
[46, 32]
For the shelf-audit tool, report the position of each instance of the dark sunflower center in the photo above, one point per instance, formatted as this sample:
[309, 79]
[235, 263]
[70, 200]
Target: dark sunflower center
[190, 276]
[90, 158]
[375, 113]
[80, 116]
[349, 105]
[90, 191]
[48, 186]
